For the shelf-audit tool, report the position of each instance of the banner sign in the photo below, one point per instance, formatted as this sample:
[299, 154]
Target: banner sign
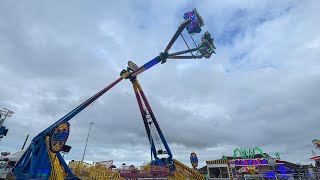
[250, 162]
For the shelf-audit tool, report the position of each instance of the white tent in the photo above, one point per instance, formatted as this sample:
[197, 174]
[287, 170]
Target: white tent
[12, 157]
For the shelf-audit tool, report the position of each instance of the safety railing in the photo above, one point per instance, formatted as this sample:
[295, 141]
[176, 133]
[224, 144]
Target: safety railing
[183, 171]
[86, 171]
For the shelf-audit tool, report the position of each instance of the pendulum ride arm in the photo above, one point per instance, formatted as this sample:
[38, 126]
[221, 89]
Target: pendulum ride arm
[81, 107]
[143, 112]
[154, 132]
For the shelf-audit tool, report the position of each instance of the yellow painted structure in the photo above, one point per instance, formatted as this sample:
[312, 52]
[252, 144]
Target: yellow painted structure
[183, 172]
[92, 172]
[98, 172]
[57, 171]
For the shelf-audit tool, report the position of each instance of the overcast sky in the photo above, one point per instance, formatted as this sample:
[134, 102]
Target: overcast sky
[261, 89]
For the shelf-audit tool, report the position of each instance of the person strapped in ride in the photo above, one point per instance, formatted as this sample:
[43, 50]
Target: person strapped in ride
[206, 47]
[196, 21]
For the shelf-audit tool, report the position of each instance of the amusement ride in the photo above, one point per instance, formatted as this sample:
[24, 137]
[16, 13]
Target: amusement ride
[42, 159]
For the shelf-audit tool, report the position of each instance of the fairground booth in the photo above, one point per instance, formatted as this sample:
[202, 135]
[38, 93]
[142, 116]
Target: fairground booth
[253, 163]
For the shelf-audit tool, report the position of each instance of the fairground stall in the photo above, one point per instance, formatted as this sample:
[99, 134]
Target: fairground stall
[248, 163]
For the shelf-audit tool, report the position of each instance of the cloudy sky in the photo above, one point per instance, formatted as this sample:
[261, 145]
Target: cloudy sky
[261, 89]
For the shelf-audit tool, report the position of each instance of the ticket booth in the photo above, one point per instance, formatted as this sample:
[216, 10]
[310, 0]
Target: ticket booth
[220, 169]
